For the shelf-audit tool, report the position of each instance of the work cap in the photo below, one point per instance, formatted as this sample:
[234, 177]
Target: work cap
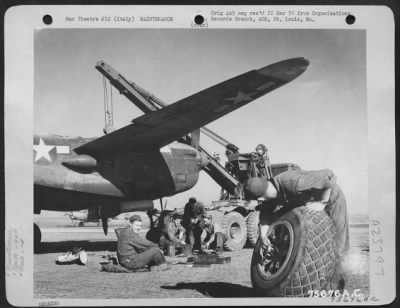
[261, 149]
[261, 146]
[177, 215]
[192, 200]
[135, 218]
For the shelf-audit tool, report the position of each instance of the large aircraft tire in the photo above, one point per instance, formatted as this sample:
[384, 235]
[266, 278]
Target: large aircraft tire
[234, 226]
[37, 235]
[306, 257]
[252, 228]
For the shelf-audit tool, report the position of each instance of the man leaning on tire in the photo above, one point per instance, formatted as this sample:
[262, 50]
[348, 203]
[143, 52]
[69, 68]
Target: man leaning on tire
[317, 190]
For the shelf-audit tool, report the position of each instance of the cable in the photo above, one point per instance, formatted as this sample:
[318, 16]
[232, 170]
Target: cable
[112, 106]
[105, 100]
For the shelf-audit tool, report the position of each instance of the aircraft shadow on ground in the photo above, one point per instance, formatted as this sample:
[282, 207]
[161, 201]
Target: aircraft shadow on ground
[215, 289]
[65, 246]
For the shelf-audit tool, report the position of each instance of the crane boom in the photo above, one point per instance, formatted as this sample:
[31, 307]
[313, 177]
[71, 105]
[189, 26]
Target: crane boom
[125, 88]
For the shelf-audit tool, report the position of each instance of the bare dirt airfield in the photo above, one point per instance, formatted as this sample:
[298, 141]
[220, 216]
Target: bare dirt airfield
[181, 281]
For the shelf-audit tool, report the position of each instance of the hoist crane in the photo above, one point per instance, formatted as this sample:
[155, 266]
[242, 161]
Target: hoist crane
[240, 210]
[147, 102]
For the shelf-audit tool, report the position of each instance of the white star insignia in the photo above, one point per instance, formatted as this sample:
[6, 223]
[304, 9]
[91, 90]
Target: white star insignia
[42, 150]
[241, 97]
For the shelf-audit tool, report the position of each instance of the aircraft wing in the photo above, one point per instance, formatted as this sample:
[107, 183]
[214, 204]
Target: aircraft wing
[159, 128]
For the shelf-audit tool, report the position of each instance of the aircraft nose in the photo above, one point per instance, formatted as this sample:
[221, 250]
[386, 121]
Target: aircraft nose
[285, 70]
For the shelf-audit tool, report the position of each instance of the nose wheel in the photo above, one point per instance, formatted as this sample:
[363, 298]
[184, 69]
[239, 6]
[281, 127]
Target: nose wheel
[37, 235]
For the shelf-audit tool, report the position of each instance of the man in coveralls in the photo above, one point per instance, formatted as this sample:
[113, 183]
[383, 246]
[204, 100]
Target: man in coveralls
[214, 237]
[135, 252]
[261, 151]
[193, 222]
[172, 232]
[316, 189]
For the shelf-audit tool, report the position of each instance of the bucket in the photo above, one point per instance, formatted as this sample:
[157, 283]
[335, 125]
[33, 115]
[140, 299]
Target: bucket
[170, 250]
[187, 250]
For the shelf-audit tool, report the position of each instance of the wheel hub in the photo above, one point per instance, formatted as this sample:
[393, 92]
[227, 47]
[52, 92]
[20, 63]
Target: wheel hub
[275, 257]
[235, 231]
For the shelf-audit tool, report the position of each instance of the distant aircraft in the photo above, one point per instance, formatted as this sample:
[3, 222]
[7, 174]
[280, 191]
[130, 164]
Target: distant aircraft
[155, 156]
[80, 217]
[84, 216]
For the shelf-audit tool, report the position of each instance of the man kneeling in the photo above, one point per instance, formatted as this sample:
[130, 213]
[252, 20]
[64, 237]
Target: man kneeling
[214, 238]
[172, 232]
[135, 252]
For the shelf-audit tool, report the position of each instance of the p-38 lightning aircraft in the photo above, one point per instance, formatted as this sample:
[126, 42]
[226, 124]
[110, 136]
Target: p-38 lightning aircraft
[155, 156]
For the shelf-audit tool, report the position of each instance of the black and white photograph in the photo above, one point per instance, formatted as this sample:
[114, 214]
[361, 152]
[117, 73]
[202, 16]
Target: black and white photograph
[187, 163]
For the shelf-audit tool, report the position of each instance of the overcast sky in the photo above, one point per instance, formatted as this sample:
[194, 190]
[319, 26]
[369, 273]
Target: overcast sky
[317, 121]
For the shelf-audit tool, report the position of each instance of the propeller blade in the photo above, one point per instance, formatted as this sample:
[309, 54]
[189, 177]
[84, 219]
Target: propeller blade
[104, 222]
[104, 219]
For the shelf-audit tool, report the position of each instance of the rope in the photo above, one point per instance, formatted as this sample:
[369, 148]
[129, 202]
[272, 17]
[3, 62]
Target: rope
[112, 106]
[108, 104]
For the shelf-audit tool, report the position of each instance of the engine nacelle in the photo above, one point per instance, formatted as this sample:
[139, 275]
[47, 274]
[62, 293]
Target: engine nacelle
[132, 206]
[110, 211]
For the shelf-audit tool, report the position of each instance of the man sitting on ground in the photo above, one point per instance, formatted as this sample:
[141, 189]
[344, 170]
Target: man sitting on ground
[135, 252]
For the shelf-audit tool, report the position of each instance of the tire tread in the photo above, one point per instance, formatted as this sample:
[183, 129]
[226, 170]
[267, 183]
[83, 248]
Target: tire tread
[231, 245]
[252, 228]
[314, 270]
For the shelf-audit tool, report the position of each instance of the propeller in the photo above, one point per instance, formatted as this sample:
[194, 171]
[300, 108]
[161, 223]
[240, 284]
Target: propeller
[104, 219]
[104, 222]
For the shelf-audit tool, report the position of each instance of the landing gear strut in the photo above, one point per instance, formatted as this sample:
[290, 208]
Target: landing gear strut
[37, 235]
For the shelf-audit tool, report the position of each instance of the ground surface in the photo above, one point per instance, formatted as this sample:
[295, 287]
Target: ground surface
[181, 281]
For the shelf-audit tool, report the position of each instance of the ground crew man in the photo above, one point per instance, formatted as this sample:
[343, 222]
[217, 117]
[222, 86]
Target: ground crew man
[171, 233]
[180, 232]
[135, 252]
[214, 238]
[316, 189]
[261, 150]
[261, 155]
[193, 223]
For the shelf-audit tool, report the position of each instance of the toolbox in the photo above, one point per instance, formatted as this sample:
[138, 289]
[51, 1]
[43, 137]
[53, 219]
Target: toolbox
[209, 259]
